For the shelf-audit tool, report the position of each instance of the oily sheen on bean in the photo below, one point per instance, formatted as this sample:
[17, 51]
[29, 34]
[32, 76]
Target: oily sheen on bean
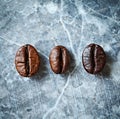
[27, 60]
[59, 59]
[93, 58]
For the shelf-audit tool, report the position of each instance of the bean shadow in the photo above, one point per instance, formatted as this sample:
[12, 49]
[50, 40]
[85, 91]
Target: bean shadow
[43, 70]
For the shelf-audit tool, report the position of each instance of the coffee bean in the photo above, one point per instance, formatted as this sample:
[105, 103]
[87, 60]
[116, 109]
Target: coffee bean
[59, 59]
[27, 60]
[93, 58]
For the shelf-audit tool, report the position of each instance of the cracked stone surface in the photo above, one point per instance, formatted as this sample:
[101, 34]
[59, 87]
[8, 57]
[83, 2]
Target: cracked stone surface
[73, 24]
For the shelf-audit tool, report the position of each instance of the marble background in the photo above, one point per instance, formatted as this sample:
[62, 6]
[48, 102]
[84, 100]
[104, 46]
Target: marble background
[74, 24]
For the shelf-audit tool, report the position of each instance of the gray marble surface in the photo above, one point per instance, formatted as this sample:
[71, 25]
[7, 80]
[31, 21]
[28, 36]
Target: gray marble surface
[74, 24]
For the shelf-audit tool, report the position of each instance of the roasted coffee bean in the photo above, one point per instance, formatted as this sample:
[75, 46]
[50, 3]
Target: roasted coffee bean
[93, 58]
[59, 59]
[27, 60]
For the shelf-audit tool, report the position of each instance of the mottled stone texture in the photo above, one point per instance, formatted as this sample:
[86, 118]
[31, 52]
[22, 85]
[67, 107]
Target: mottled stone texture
[74, 24]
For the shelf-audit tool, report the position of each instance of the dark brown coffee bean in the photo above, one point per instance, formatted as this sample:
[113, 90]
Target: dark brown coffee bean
[59, 59]
[93, 58]
[27, 60]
